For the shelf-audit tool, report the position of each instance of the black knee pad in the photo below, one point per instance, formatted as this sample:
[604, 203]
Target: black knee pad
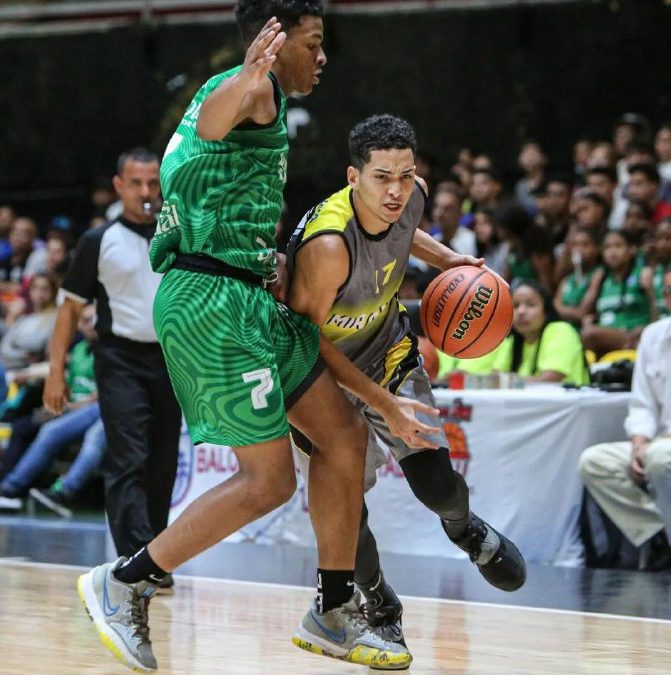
[436, 484]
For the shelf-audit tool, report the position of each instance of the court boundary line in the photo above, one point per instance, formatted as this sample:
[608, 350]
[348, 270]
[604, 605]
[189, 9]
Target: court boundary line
[7, 562]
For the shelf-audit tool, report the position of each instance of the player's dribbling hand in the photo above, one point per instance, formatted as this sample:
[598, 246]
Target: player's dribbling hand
[262, 53]
[457, 260]
[55, 392]
[400, 417]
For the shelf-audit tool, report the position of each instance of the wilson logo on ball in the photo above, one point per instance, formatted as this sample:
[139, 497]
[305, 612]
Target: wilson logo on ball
[480, 300]
[440, 306]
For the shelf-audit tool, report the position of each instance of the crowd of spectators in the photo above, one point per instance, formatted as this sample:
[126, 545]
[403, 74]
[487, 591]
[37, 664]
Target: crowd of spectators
[595, 239]
[33, 263]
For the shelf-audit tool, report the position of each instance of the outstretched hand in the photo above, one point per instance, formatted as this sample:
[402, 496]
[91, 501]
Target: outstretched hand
[400, 416]
[262, 53]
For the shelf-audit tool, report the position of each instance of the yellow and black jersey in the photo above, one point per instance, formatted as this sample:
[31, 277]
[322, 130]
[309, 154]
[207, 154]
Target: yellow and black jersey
[366, 322]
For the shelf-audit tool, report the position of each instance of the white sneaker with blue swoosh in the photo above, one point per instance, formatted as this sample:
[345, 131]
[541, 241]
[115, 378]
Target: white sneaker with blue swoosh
[343, 633]
[119, 613]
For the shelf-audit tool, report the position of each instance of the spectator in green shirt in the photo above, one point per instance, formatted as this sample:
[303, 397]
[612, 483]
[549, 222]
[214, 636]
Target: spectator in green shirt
[620, 298]
[584, 246]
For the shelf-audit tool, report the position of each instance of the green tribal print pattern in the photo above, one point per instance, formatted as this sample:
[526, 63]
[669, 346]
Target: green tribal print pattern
[223, 198]
[234, 356]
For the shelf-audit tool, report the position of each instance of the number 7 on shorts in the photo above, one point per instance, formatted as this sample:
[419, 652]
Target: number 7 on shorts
[265, 386]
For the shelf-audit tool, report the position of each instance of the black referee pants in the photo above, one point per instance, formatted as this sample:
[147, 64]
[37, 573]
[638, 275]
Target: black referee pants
[142, 421]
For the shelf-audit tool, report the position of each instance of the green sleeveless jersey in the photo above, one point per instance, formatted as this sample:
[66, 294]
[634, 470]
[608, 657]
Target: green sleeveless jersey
[575, 289]
[223, 198]
[623, 304]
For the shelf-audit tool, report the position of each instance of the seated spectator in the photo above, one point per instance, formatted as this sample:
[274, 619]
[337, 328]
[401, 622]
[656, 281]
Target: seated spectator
[486, 188]
[530, 255]
[584, 248]
[603, 181]
[638, 222]
[644, 185]
[618, 298]
[663, 151]
[557, 211]
[27, 337]
[582, 149]
[52, 259]
[603, 154]
[80, 423]
[630, 128]
[631, 480]
[445, 219]
[22, 237]
[482, 162]
[660, 262]
[532, 160]
[540, 348]
[462, 170]
[590, 209]
[488, 244]
[7, 217]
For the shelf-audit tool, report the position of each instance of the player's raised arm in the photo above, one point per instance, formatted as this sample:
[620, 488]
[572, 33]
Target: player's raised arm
[321, 268]
[247, 95]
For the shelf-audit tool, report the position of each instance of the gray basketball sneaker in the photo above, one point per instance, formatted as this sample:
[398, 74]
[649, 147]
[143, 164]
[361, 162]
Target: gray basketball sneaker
[343, 633]
[119, 613]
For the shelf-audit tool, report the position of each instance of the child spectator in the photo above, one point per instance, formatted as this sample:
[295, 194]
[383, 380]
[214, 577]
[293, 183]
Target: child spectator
[660, 263]
[618, 299]
[584, 248]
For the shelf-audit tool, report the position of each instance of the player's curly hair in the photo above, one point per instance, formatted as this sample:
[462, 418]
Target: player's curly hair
[379, 132]
[251, 15]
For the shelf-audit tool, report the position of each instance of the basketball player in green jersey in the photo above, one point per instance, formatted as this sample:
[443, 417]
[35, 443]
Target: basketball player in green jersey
[348, 257]
[238, 359]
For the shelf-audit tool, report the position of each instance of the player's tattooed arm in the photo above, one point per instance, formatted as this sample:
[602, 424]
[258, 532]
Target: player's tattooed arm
[247, 95]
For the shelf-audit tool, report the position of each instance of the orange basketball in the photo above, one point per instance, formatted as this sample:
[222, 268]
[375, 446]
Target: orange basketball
[466, 312]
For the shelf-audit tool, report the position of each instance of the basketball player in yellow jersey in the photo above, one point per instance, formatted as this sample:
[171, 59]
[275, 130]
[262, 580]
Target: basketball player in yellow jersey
[348, 258]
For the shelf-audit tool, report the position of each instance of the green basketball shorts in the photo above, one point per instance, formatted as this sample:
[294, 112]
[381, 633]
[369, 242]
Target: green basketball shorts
[237, 359]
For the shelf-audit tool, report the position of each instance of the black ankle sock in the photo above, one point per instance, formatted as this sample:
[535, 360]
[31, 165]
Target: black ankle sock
[455, 528]
[334, 588]
[140, 568]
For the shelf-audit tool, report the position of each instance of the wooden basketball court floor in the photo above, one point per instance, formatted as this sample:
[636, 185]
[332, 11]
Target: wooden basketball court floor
[233, 627]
